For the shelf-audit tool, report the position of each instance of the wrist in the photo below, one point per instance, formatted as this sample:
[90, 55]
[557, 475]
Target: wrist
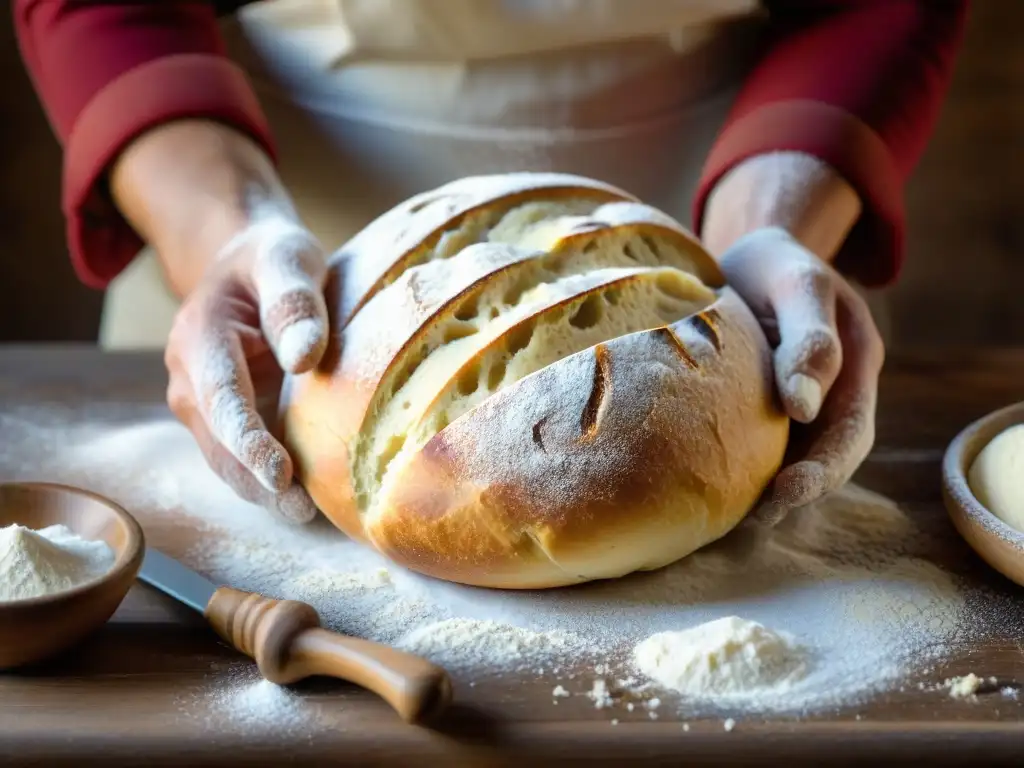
[785, 190]
[189, 188]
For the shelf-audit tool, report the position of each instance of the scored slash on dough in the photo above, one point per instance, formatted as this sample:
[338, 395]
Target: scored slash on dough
[520, 396]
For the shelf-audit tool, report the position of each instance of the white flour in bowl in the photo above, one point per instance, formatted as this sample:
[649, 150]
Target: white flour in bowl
[40, 563]
[853, 580]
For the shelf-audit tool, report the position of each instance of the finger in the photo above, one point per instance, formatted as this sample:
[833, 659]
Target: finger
[289, 276]
[225, 399]
[792, 293]
[770, 514]
[294, 505]
[849, 413]
[809, 355]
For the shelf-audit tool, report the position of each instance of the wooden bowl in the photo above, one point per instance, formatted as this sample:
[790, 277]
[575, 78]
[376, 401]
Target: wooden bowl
[999, 545]
[37, 628]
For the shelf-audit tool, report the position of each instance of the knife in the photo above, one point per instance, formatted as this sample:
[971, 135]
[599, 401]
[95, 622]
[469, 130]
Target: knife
[288, 644]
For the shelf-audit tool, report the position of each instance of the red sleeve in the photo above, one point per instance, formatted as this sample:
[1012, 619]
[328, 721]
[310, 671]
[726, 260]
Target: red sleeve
[106, 72]
[859, 84]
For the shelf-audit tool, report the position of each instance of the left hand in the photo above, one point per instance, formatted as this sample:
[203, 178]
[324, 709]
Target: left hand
[828, 355]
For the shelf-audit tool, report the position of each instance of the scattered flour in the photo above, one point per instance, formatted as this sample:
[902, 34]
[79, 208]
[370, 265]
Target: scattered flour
[264, 703]
[50, 560]
[854, 580]
[238, 697]
[728, 658]
[964, 687]
[600, 695]
[474, 642]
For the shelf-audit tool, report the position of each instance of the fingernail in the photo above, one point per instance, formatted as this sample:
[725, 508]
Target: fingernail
[805, 393]
[266, 460]
[299, 344]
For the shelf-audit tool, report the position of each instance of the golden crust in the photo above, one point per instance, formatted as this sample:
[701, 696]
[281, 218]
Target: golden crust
[685, 437]
[626, 456]
[316, 430]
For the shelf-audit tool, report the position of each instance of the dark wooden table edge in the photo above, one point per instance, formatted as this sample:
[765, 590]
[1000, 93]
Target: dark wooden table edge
[596, 742]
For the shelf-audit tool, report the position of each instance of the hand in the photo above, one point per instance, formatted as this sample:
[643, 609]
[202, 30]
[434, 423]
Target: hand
[827, 357]
[209, 201]
[258, 311]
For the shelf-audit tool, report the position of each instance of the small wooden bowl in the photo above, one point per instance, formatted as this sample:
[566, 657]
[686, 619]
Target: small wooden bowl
[999, 545]
[38, 628]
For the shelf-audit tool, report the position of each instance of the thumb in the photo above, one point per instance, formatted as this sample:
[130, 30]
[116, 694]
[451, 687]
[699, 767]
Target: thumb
[288, 275]
[783, 282]
[809, 356]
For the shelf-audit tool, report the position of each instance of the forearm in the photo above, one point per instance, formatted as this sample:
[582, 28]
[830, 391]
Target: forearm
[108, 72]
[857, 84]
[790, 190]
[188, 187]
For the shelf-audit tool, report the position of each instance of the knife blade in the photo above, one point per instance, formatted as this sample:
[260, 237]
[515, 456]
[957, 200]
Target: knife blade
[171, 577]
[288, 644]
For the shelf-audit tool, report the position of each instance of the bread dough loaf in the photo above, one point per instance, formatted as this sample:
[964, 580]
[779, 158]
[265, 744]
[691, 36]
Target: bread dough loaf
[997, 477]
[535, 380]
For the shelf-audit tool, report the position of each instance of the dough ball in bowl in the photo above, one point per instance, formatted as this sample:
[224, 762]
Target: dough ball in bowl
[534, 380]
[997, 477]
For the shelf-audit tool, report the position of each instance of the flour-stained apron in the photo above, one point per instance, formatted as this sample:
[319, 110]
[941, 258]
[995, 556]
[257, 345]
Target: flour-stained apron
[372, 101]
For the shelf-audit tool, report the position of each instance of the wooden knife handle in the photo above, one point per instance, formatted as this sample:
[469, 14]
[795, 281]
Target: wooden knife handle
[285, 639]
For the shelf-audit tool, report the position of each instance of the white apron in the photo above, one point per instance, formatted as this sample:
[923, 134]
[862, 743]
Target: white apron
[372, 101]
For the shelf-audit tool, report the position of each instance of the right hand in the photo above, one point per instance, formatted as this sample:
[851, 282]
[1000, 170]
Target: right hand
[257, 313]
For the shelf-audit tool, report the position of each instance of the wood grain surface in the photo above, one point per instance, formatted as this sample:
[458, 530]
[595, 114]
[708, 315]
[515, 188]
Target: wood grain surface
[122, 699]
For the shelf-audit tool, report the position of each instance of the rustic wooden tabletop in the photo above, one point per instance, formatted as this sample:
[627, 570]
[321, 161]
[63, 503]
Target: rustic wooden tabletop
[114, 700]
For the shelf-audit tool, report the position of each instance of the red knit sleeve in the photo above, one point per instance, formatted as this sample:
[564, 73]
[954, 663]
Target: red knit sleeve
[106, 72]
[859, 84]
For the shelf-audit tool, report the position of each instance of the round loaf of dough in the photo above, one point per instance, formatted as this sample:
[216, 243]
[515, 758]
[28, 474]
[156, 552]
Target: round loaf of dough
[997, 477]
[535, 380]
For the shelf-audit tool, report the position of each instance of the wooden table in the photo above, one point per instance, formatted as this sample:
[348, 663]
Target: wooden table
[110, 701]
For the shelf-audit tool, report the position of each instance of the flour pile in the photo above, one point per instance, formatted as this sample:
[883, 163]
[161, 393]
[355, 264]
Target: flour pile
[261, 704]
[48, 561]
[853, 582]
[238, 698]
[724, 659]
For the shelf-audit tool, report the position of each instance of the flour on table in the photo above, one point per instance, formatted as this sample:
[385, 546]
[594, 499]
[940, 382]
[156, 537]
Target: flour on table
[600, 695]
[853, 580]
[964, 687]
[724, 659]
[462, 641]
[241, 698]
[264, 703]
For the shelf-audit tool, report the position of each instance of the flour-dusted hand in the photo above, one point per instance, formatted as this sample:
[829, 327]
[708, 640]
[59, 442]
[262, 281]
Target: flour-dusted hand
[209, 201]
[828, 356]
[258, 312]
